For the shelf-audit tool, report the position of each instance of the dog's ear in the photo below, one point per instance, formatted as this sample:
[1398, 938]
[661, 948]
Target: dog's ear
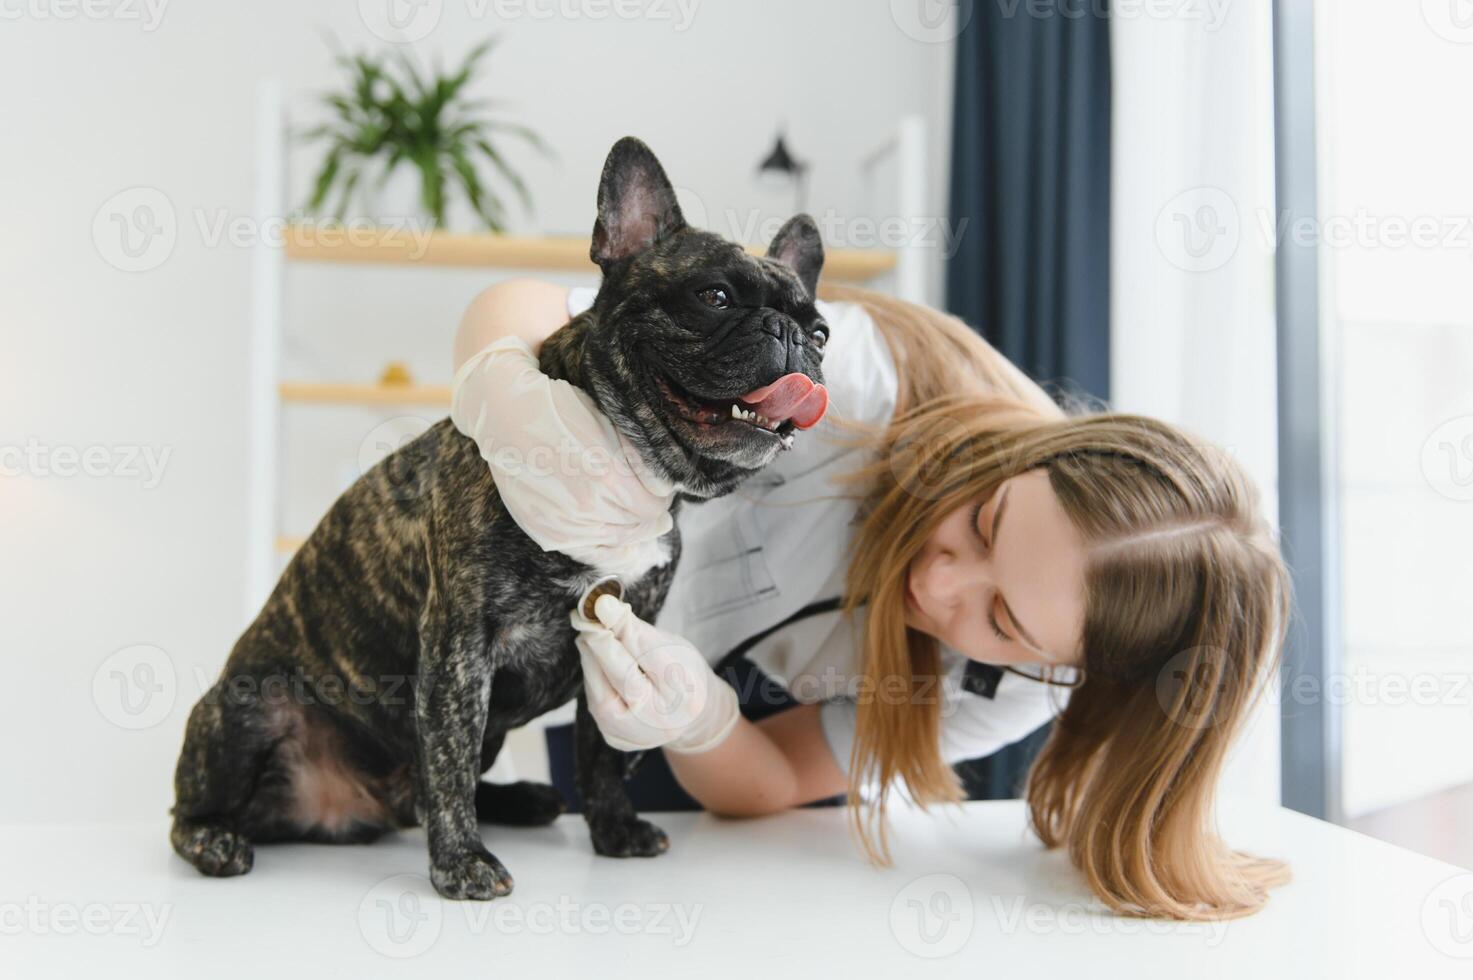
[798, 246]
[636, 204]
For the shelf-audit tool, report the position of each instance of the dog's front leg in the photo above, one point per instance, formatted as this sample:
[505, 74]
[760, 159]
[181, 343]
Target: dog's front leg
[617, 830]
[451, 702]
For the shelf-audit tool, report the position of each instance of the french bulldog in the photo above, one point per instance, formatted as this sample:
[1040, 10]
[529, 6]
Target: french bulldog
[418, 624]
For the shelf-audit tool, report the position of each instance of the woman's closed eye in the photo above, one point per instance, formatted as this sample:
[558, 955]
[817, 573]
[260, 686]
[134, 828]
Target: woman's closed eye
[992, 621]
[992, 597]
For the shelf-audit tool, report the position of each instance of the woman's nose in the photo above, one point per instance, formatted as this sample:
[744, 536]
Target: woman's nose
[950, 577]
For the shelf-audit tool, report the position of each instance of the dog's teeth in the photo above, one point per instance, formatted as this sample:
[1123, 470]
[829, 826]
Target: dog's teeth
[752, 416]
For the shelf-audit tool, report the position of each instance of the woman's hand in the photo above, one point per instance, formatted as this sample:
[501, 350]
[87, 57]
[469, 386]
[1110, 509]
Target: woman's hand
[647, 688]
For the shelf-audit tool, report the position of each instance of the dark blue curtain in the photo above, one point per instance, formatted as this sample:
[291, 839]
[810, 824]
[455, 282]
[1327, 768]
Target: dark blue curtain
[1030, 177]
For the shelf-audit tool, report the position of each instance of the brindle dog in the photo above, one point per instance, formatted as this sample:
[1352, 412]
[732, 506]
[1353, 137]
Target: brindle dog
[419, 624]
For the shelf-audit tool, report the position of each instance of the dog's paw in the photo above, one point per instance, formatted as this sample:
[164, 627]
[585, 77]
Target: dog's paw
[215, 851]
[472, 875]
[522, 804]
[628, 837]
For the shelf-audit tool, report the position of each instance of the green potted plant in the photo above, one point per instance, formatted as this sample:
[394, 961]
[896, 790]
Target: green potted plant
[393, 115]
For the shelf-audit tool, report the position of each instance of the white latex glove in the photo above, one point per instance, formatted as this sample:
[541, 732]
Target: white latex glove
[566, 475]
[647, 688]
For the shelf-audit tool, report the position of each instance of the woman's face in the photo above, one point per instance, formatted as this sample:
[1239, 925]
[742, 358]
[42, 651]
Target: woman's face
[1003, 583]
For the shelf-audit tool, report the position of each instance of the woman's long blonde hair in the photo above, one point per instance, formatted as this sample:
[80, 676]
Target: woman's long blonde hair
[1186, 605]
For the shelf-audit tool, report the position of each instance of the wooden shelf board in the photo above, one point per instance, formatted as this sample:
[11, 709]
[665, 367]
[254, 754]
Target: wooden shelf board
[305, 243]
[344, 393]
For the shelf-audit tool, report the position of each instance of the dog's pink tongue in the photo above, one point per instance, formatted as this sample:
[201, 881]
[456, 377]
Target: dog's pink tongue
[793, 396]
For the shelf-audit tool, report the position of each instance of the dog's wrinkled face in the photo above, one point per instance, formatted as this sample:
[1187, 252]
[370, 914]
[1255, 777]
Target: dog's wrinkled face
[706, 357]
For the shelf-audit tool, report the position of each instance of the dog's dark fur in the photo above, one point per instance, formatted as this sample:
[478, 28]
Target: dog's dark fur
[418, 624]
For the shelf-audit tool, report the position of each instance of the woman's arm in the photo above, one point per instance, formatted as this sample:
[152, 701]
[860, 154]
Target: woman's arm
[780, 762]
[525, 308]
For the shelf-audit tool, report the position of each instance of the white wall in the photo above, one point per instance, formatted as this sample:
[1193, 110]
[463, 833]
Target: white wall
[1192, 300]
[91, 356]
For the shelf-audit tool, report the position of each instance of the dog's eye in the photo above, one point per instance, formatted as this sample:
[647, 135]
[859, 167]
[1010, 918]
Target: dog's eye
[820, 336]
[715, 297]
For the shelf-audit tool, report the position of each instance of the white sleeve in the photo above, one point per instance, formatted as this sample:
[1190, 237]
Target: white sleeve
[565, 474]
[837, 718]
[972, 726]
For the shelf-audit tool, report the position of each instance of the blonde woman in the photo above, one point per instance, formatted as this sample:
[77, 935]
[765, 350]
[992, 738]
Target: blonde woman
[942, 565]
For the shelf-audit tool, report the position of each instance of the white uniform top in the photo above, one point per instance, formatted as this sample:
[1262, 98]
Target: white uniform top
[781, 541]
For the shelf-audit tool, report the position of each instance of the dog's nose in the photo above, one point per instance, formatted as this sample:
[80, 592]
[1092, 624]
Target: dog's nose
[777, 325]
[785, 330]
